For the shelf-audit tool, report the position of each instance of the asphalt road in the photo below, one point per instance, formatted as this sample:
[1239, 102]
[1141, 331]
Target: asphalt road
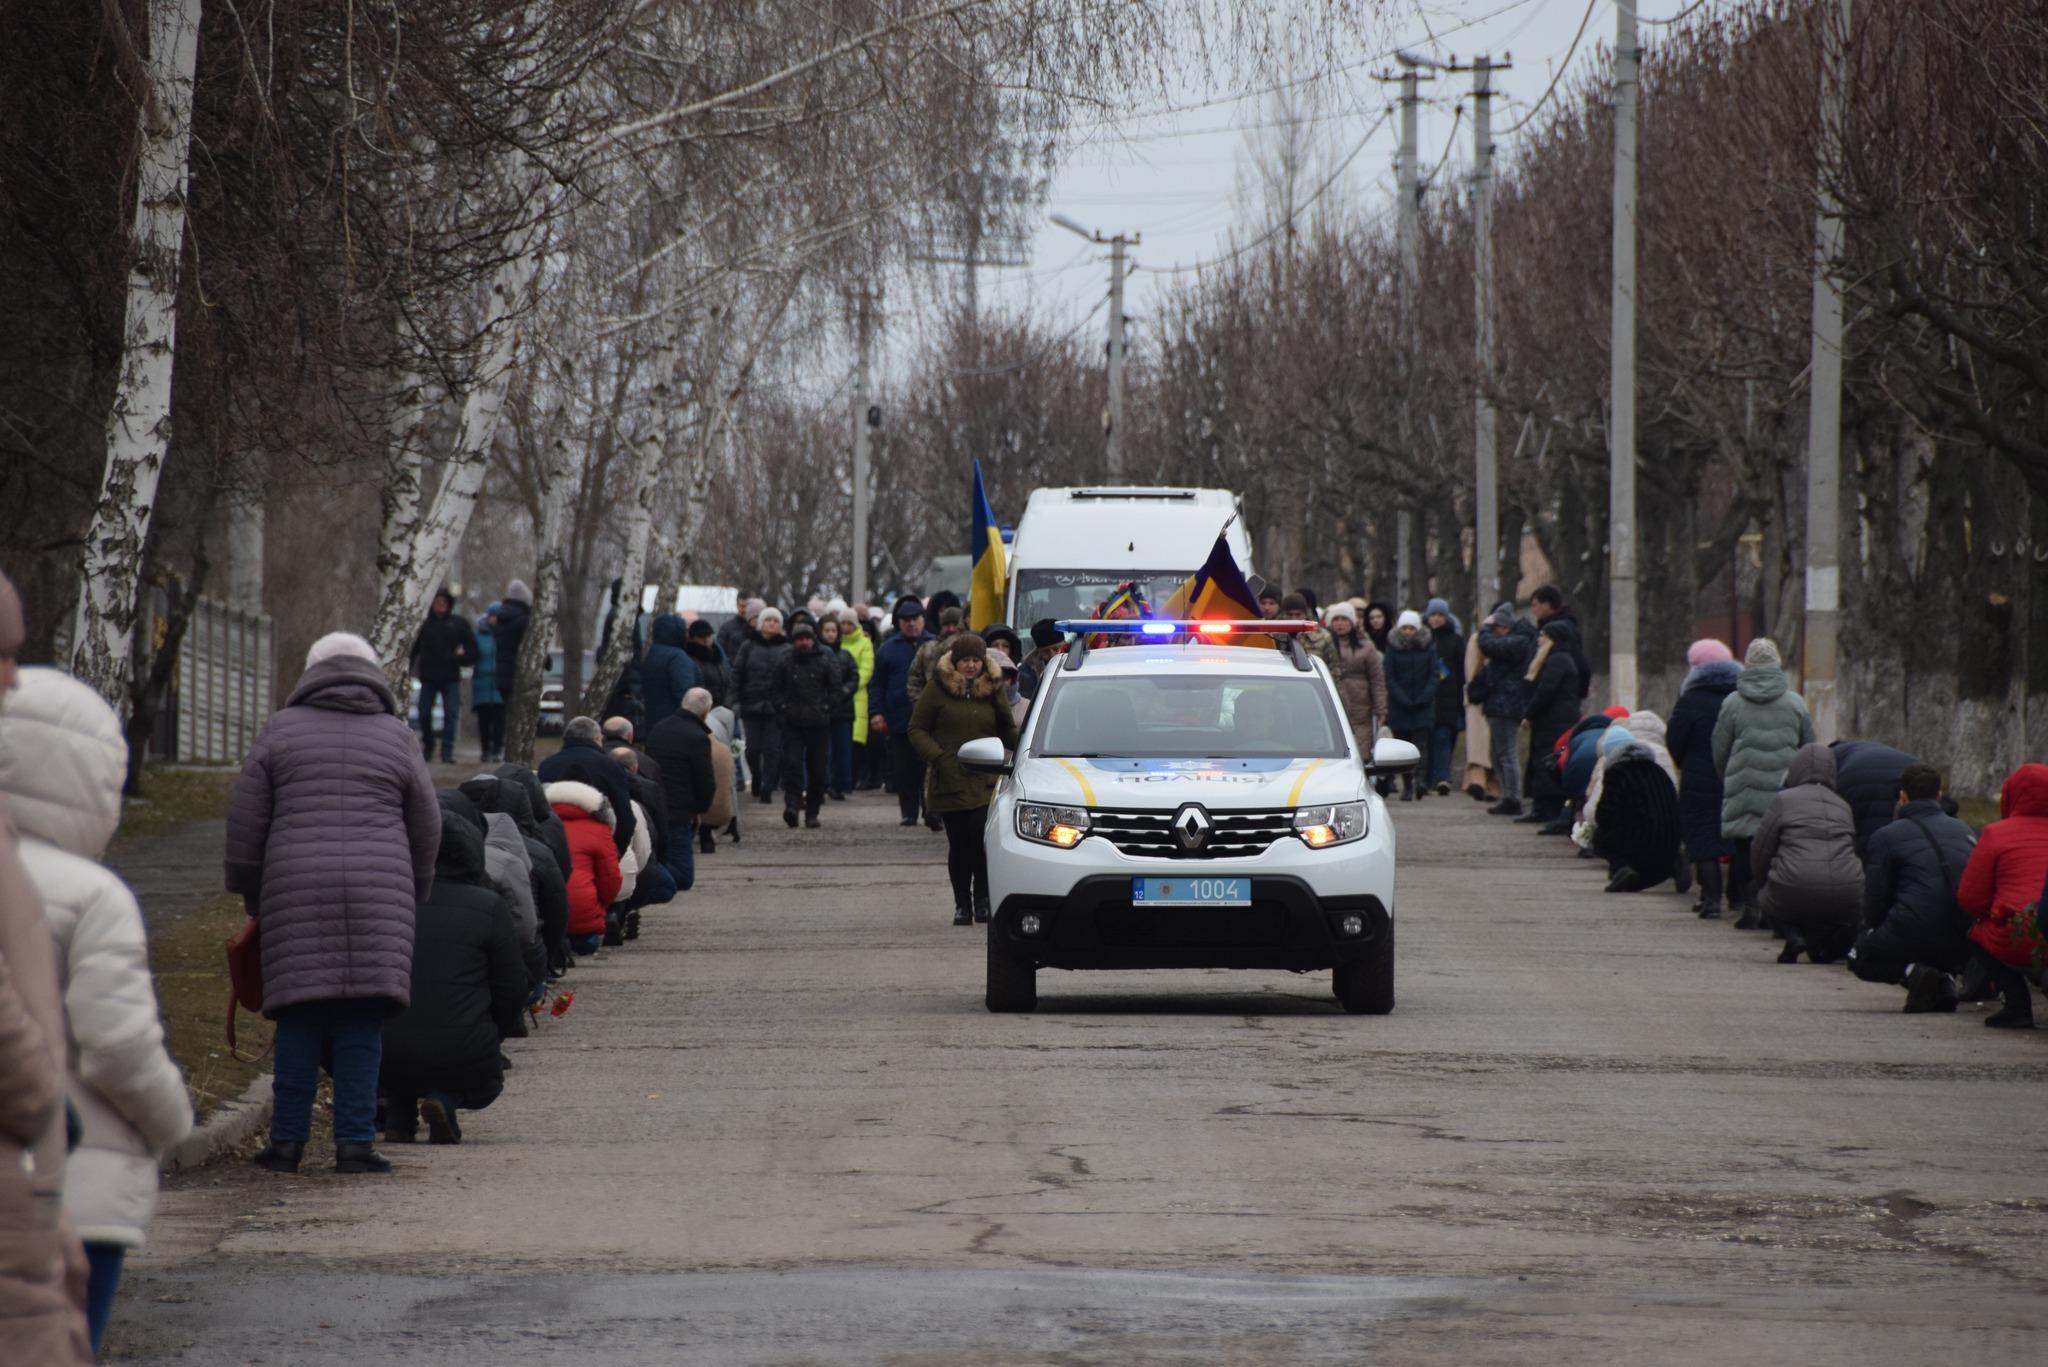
[782, 1129]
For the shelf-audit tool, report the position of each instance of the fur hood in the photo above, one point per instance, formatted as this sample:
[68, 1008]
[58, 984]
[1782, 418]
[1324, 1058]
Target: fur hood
[987, 685]
[582, 797]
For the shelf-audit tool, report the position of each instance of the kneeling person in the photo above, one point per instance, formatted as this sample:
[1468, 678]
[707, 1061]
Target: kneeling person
[1913, 927]
[468, 987]
[1805, 857]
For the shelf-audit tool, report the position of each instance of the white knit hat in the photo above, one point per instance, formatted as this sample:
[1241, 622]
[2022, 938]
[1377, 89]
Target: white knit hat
[340, 645]
[1410, 618]
[1340, 608]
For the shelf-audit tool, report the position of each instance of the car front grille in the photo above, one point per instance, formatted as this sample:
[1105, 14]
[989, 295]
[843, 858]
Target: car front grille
[1232, 835]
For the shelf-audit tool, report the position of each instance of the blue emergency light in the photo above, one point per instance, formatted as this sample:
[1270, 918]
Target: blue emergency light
[1214, 631]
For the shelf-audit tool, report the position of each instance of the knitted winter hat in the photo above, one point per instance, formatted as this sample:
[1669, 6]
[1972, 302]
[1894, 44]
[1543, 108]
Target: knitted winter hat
[339, 645]
[1502, 616]
[1613, 738]
[1410, 618]
[1294, 602]
[13, 630]
[1435, 606]
[968, 646]
[952, 617]
[1763, 654]
[765, 616]
[999, 660]
[801, 630]
[1045, 633]
[1341, 609]
[494, 609]
[1617, 712]
[755, 607]
[1708, 651]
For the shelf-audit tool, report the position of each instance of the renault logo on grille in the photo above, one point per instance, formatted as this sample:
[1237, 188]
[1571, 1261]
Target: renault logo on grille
[1191, 827]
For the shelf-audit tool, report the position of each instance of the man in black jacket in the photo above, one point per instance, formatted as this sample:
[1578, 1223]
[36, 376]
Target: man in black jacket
[493, 792]
[582, 758]
[468, 988]
[442, 648]
[713, 668]
[1913, 928]
[1547, 605]
[807, 684]
[681, 744]
[1553, 708]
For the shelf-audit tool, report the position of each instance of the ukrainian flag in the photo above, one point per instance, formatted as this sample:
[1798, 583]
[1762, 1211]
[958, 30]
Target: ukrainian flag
[985, 544]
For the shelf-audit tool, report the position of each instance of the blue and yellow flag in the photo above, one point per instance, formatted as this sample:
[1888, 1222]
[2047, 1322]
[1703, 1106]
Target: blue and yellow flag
[991, 572]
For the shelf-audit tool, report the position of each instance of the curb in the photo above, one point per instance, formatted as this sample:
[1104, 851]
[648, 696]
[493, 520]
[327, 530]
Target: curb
[230, 1126]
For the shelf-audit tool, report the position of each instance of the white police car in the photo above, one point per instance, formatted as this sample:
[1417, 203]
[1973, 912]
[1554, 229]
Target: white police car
[1178, 801]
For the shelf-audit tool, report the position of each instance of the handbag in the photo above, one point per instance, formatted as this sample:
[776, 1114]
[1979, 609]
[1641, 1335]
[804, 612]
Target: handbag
[245, 981]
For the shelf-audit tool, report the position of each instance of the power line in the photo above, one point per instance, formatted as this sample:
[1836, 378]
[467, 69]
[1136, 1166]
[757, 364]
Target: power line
[1050, 347]
[1558, 76]
[1285, 223]
[1661, 23]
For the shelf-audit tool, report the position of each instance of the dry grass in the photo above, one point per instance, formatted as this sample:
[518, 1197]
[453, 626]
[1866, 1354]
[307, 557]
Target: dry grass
[173, 796]
[192, 993]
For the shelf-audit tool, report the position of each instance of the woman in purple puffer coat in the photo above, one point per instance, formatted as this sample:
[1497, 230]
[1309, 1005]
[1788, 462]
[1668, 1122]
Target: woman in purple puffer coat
[331, 842]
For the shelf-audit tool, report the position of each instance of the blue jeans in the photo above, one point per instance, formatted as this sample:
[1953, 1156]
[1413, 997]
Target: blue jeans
[353, 1033]
[450, 694]
[839, 760]
[1441, 741]
[103, 1264]
[682, 855]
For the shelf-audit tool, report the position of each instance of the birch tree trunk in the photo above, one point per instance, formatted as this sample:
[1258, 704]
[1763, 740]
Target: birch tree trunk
[650, 460]
[139, 420]
[522, 709]
[404, 479]
[411, 569]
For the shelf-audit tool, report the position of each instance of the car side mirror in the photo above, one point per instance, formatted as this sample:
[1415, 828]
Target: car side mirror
[1393, 755]
[986, 755]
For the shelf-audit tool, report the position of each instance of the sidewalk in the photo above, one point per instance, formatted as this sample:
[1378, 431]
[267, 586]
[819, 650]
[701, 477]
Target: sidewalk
[173, 872]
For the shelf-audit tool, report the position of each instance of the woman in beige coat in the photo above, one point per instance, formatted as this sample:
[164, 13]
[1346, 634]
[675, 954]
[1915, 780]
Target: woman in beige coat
[1480, 783]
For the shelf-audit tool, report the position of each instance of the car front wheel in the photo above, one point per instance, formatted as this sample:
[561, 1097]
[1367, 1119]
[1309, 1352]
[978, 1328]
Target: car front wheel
[1366, 986]
[1012, 978]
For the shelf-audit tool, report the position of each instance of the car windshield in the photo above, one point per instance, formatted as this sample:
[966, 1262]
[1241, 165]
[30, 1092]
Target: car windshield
[1190, 716]
[1062, 594]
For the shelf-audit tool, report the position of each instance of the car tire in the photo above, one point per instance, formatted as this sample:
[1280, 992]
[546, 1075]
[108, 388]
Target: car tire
[1012, 977]
[1366, 986]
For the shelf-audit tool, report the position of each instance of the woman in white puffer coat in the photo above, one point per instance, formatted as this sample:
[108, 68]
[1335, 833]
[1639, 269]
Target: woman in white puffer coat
[62, 762]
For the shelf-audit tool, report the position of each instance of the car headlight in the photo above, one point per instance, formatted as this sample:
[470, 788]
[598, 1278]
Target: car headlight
[1046, 825]
[1335, 825]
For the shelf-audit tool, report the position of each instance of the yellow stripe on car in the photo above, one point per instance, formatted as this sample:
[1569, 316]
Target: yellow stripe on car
[1301, 782]
[1087, 789]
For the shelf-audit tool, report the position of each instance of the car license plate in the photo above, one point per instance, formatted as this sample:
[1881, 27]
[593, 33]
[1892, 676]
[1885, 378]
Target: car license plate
[1191, 892]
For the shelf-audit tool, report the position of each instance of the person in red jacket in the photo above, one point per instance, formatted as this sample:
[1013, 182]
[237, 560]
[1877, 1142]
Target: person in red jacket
[2003, 876]
[594, 877]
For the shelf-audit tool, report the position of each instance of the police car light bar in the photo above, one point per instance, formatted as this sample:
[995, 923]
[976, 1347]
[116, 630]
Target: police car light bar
[1211, 628]
[1179, 626]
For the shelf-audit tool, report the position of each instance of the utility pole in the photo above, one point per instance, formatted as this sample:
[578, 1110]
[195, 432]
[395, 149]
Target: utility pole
[1113, 418]
[1407, 175]
[1818, 661]
[1621, 399]
[865, 419]
[1486, 571]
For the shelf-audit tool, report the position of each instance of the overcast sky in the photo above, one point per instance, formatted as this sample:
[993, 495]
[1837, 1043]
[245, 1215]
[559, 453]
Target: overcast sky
[1174, 177]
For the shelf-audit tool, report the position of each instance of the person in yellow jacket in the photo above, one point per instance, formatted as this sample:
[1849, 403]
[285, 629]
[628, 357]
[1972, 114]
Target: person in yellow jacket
[860, 651]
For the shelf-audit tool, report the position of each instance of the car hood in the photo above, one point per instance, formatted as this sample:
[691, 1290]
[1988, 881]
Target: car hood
[1167, 783]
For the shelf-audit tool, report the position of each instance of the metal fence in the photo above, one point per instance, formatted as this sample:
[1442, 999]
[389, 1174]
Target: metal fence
[222, 692]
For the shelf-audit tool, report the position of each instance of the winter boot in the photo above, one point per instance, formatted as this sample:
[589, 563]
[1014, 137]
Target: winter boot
[1681, 875]
[1443, 788]
[1407, 787]
[1625, 879]
[1507, 806]
[614, 927]
[732, 828]
[1976, 984]
[1929, 989]
[1561, 826]
[2015, 1015]
[1475, 792]
[1795, 945]
[963, 915]
[282, 1155]
[1748, 916]
[1708, 907]
[1532, 817]
[811, 822]
[981, 907]
[789, 817]
[438, 1110]
[361, 1157]
[632, 930]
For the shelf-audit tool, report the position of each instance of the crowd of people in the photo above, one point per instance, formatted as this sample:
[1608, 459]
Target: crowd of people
[1848, 852]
